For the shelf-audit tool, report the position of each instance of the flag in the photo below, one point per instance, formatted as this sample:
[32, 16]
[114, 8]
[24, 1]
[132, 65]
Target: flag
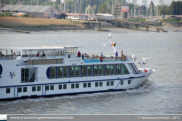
[114, 44]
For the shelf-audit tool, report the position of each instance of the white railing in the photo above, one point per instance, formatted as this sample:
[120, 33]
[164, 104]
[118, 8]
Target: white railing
[7, 58]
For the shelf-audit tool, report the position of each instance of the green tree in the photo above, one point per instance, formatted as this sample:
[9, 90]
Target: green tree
[103, 8]
[173, 7]
[178, 8]
[180, 13]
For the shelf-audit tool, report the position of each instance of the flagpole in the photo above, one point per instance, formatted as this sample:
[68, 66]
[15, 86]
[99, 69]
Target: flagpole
[112, 43]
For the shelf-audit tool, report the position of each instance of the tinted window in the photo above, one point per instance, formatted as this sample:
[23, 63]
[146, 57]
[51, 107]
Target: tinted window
[72, 71]
[59, 72]
[53, 72]
[118, 69]
[64, 86]
[52, 87]
[24, 89]
[132, 68]
[33, 89]
[19, 89]
[96, 84]
[78, 71]
[38, 88]
[124, 70]
[90, 70]
[47, 87]
[60, 86]
[113, 69]
[107, 69]
[65, 72]
[101, 69]
[96, 70]
[7, 90]
[84, 71]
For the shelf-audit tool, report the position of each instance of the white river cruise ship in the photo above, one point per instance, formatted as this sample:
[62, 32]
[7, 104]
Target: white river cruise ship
[58, 71]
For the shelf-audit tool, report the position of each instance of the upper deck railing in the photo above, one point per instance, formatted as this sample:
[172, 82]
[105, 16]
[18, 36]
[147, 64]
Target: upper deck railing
[97, 59]
[7, 57]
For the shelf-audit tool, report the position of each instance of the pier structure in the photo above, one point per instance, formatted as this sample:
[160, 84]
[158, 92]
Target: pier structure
[136, 25]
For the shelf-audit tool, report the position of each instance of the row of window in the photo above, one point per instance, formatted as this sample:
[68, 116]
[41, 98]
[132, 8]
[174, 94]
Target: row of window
[64, 86]
[90, 70]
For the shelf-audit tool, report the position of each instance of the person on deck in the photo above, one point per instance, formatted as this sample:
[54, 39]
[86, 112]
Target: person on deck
[1, 54]
[79, 54]
[123, 56]
[116, 54]
[101, 57]
[83, 56]
[37, 54]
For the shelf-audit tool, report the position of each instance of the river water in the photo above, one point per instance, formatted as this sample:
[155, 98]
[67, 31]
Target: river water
[160, 94]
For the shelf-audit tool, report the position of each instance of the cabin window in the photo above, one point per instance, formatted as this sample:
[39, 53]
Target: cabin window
[135, 68]
[84, 85]
[124, 70]
[38, 53]
[121, 82]
[77, 85]
[24, 89]
[100, 84]
[50, 53]
[38, 88]
[59, 72]
[33, 89]
[72, 86]
[113, 69]
[132, 68]
[47, 87]
[96, 84]
[65, 72]
[53, 72]
[62, 52]
[72, 71]
[27, 75]
[118, 69]
[96, 70]
[32, 53]
[89, 84]
[52, 87]
[90, 70]
[25, 54]
[18, 53]
[69, 56]
[56, 53]
[64, 86]
[75, 50]
[129, 81]
[101, 70]
[78, 71]
[112, 83]
[107, 83]
[60, 86]
[19, 89]
[7, 90]
[107, 69]
[84, 71]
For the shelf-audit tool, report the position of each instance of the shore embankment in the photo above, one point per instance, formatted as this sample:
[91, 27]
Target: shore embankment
[24, 25]
[21, 23]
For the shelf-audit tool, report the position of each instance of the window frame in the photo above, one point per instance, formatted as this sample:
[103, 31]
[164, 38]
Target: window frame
[8, 90]
[38, 88]
[34, 89]
[24, 89]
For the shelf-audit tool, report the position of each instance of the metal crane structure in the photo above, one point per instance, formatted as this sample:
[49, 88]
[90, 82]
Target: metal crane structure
[161, 2]
[144, 2]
